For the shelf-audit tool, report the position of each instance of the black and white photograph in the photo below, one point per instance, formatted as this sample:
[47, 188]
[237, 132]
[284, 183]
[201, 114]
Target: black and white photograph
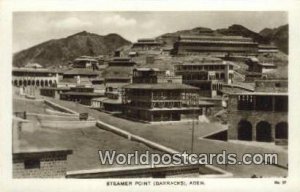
[150, 98]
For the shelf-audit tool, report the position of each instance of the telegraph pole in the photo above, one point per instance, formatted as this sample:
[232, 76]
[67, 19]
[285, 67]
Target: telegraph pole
[193, 124]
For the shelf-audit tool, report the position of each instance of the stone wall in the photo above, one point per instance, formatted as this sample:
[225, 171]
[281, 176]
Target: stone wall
[51, 165]
[254, 117]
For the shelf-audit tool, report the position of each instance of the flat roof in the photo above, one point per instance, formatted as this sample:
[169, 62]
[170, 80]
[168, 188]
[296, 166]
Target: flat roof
[123, 78]
[112, 101]
[34, 70]
[147, 69]
[147, 43]
[166, 86]
[55, 88]
[208, 63]
[121, 62]
[267, 46]
[85, 59]
[34, 152]
[262, 93]
[213, 37]
[267, 64]
[99, 98]
[81, 71]
[216, 42]
[82, 93]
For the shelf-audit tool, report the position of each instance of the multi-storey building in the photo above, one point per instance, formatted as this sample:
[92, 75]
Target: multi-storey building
[261, 115]
[80, 94]
[157, 95]
[207, 74]
[86, 62]
[160, 102]
[146, 44]
[38, 77]
[154, 75]
[215, 45]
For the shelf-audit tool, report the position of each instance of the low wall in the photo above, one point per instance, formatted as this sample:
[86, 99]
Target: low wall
[43, 117]
[59, 107]
[214, 171]
[53, 112]
[68, 124]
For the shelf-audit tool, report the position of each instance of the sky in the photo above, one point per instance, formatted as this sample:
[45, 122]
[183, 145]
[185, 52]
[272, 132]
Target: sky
[31, 28]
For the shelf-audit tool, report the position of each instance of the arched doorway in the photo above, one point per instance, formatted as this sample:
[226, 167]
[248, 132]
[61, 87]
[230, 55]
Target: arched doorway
[42, 83]
[37, 83]
[32, 82]
[24, 83]
[263, 131]
[281, 130]
[245, 130]
[50, 83]
[28, 82]
[15, 82]
[20, 83]
[46, 83]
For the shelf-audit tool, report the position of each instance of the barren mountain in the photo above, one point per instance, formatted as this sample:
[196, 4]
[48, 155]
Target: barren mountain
[62, 51]
[279, 36]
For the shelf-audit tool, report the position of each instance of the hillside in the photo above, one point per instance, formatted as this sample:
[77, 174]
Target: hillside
[279, 36]
[62, 51]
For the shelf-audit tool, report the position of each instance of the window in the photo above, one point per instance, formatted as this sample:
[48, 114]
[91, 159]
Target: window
[277, 85]
[32, 164]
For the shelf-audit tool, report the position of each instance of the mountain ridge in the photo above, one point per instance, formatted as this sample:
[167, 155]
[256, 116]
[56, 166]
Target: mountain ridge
[62, 51]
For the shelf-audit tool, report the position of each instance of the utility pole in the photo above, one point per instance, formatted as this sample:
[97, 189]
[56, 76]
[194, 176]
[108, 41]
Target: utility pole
[193, 124]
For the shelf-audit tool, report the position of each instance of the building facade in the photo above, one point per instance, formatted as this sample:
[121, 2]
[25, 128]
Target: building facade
[38, 77]
[40, 163]
[154, 75]
[261, 115]
[146, 44]
[80, 94]
[215, 45]
[207, 75]
[160, 102]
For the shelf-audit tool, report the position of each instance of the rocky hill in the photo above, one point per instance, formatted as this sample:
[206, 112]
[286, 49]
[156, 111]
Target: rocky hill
[279, 36]
[62, 51]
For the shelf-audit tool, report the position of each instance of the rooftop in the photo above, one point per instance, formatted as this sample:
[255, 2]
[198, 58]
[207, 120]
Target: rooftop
[262, 93]
[83, 93]
[215, 41]
[234, 38]
[85, 59]
[121, 59]
[146, 69]
[33, 65]
[55, 88]
[81, 71]
[167, 86]
[112, 101]
[267, 64]
[34, 70]
[267, 46]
